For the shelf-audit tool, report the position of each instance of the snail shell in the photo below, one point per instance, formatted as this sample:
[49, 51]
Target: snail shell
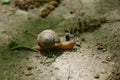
[47, 39]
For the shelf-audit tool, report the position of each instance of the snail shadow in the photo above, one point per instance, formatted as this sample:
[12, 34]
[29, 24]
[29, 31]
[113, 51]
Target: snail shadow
[55, 53]
[52, 53]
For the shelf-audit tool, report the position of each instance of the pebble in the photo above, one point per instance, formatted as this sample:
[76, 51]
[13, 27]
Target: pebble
[104, 49]
[96, 76]
[101, 46]
[104, 61]
[83, 39]
[78, 44]
[29, 67]
[67, 36]
[28, 74]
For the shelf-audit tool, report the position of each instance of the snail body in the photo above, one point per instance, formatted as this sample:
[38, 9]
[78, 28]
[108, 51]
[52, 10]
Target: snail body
[49, 39]
[65, 45]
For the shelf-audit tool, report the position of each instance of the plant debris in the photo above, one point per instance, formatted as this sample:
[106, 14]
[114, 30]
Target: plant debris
[5, 1]
[18, 46]
[86, 25]
[45, 61]
[101, 46]
[48, 5]
[29, 4]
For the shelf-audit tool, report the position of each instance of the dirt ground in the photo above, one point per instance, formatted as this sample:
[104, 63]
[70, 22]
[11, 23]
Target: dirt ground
[81, 63]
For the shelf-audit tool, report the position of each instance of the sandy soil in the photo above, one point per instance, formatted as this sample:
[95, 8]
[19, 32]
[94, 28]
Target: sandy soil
[82, 63]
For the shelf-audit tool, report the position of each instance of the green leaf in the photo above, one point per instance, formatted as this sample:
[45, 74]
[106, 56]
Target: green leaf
[5, 1]
[13, 45]
[22, 47]
[45, 61]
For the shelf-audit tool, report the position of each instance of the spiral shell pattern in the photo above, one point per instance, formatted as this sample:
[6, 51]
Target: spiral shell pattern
[47, 38]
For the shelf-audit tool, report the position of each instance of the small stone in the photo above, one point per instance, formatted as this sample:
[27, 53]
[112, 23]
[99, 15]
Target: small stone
[78, 44]
[28, 74]
[71, 12]
[108, 59]
[96, 76]
[104, 61]
[44, 12]
[27, 58]
[29, 67]
[67, 36]
[55, 3]
[102, 47]
[50, 7]
[83, 39]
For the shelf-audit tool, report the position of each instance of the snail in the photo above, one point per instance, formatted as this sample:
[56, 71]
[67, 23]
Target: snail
[49, 39]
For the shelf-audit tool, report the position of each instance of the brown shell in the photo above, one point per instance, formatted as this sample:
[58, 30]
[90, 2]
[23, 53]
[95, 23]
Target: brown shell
[47, 39]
